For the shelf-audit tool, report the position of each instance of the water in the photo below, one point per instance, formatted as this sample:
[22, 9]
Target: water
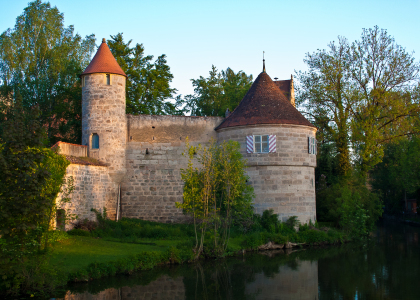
[388, 267]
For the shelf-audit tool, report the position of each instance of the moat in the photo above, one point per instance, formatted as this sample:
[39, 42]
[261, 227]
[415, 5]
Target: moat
[387, 267]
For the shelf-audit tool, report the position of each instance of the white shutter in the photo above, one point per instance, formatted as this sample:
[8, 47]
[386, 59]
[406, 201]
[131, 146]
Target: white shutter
[309, 145]
[272, 143]
[250, 144]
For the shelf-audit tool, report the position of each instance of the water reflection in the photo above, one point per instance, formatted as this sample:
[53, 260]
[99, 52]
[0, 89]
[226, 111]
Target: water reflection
[386, 268]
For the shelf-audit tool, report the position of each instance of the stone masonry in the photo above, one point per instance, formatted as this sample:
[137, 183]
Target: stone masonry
[103, 113]
[284, 180]
[93, 188]
[154, 158]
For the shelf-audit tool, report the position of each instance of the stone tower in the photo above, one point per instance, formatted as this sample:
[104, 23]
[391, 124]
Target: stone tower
[104, 121]
[279, 145]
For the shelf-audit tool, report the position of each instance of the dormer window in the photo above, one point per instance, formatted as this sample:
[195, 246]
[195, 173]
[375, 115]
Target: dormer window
[108, 79]
[95, 141]
[261, 143]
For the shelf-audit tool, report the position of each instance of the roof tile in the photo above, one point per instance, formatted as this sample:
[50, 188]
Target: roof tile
[104, 62]
[264, 103]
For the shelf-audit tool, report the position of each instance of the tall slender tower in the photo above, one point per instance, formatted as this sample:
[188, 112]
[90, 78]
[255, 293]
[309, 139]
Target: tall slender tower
[104, 123]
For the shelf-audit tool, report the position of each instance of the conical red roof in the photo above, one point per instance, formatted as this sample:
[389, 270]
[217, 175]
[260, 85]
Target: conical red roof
[104, 62]
[264, 103]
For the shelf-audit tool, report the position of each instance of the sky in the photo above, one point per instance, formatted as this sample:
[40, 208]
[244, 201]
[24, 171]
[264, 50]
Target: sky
[198, 34]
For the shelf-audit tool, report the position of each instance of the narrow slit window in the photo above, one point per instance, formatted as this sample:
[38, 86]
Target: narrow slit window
[95, 141]
[108, 79]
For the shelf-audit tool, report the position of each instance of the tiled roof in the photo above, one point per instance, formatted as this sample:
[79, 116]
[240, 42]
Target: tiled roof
[104, 62]
[264, 103]
[284, 86]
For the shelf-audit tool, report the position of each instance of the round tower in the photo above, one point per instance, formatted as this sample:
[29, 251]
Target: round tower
[104, 123]
[279, 146]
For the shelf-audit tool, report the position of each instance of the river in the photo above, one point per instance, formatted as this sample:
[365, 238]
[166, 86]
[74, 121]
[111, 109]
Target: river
[387, 267]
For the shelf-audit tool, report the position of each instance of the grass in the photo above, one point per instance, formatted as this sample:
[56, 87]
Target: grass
[77, 252]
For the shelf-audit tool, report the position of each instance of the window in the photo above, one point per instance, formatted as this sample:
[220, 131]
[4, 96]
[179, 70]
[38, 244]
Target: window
[312, 149]
[95, 141]
[108, 79]
[261, 144]
[83, 81]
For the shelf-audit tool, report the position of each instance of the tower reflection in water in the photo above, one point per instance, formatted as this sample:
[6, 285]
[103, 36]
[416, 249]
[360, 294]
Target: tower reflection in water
[253, 277]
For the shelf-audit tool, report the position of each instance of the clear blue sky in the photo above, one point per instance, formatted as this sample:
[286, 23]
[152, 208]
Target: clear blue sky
[196, 34]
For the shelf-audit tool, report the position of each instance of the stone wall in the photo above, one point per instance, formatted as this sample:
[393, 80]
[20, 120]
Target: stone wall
[93, 189]
[103, 113]
[71, 149]
[154, 158]
[284, 180]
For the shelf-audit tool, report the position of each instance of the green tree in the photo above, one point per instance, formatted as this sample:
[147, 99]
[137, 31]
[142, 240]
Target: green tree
[363, 93]
[220, 91]
[324, 92]
[397, 177]
[42, 59]
[148, 83]
[215, 193]
[30, 179]
[385, 77]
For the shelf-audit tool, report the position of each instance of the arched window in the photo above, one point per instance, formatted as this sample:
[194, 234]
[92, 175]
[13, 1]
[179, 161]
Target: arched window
[95, 141]
[108, 79]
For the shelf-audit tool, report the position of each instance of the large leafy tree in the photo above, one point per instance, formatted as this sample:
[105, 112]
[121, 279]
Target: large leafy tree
[30, 179]
[398, 175]
[218, 92]
[361, 94]
[42, 59]
[148, 82]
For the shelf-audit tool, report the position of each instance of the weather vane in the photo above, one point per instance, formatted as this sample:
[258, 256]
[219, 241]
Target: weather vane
[263, 62]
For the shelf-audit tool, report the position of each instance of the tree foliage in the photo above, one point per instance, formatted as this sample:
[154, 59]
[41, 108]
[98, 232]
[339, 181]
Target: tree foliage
[148, 83]
[348, 204]
[42, 59]
[30, 179]
[215, 193]
[397, 177]
[220, 91]
[361, 94]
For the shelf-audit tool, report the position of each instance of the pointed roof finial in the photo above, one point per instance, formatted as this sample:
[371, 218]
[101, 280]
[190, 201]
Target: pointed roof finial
[103, 40]
[263, 62]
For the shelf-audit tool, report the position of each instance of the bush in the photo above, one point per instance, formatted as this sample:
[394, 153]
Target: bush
[270, 221]
[349, 205]
[85, 224]
[78, 232]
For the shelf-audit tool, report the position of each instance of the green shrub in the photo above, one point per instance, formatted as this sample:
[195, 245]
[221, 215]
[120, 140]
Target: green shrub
[292, 222]
[78, 232]
[269, 220]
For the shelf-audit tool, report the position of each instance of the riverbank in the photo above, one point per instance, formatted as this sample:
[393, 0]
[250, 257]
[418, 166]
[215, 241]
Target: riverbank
[385, 266]
[134, 245]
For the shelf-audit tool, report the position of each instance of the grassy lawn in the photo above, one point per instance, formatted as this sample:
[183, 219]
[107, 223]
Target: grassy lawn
[78, 252]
